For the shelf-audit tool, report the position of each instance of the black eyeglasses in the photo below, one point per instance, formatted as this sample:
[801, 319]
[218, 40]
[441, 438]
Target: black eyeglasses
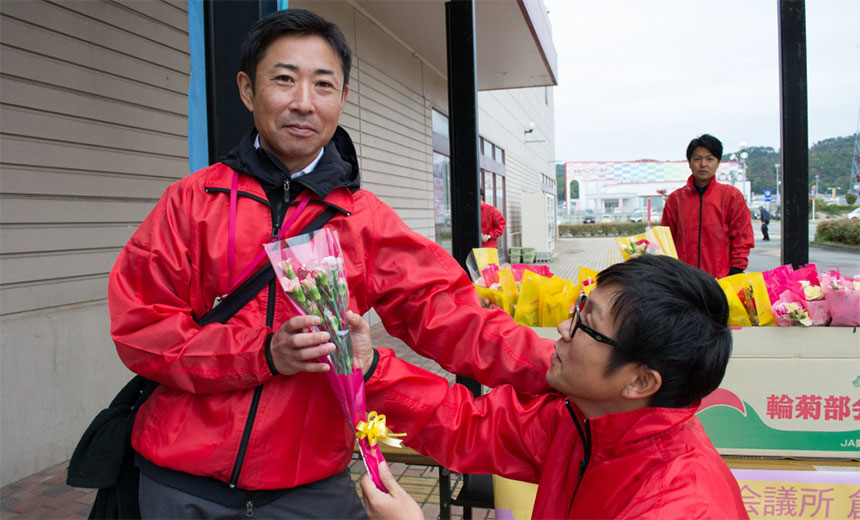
[576, 323]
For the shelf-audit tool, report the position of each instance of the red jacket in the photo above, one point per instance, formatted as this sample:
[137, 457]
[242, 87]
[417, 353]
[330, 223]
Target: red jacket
[712, 232]
[648, 463]
[220, 412]
[492, 223]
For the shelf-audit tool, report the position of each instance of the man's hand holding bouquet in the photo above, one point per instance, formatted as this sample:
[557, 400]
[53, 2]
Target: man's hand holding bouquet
[310, 270]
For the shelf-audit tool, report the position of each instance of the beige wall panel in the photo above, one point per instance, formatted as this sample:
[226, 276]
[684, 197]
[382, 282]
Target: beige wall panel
[375, 46]
[32, 210]
[385, 190]
[409, 107]
[372, 123]
[390, 142]
[411, 177]
[338, 12]
[351, 109]
[40, 295]
[41, 238]
[39, 68]
[49, 395]
[435, 89]
[381, 111]
[93, 117]
[23, 268]
[117, 15]
[52, 98]
[388, 131]
[391, 185]
[381, 81]
[399, 158]
[181, 5]
[162, 12]
[136, 42]
[350, 123]
[413, 216]
[15, 150]
[41, 181]
[66, 49]
[48, 126]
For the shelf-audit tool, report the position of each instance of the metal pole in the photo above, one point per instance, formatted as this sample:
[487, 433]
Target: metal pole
[463, 131]
[463, 128]
[794, 138]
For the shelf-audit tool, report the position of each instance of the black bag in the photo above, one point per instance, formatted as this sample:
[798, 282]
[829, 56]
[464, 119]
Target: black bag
[104, 458]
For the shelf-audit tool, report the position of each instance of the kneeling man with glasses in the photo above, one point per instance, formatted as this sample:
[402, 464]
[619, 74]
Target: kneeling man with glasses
[619, 439]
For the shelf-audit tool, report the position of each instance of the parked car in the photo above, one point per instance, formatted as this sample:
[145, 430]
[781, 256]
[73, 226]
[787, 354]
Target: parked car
[855, 213]
[636, 217]
[756, 215]
[588, 219]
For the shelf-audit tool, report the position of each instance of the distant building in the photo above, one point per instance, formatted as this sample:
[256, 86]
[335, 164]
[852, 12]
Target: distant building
[623, 187]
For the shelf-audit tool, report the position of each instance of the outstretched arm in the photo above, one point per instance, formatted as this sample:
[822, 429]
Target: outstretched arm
[426, 299]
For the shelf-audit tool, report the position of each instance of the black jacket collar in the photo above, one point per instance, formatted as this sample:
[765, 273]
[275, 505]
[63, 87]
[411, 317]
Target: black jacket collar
[337, 168]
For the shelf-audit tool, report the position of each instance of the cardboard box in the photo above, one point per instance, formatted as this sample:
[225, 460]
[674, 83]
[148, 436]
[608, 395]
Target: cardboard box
[787, 392]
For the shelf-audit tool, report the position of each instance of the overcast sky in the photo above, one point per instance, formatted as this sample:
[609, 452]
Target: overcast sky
[639, 79]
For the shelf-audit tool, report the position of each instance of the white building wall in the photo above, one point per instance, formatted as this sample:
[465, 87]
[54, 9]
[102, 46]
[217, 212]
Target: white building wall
[503, 117]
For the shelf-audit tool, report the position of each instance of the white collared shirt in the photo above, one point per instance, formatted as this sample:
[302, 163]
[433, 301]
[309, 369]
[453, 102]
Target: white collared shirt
[307, 169]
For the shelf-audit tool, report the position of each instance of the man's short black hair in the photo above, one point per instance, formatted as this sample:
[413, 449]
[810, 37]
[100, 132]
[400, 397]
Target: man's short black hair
[708, 141]
[287, 22]
[673, 318]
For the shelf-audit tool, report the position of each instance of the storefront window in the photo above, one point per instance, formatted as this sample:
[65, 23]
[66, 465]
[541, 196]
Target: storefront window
[442, 200]
[440, 124]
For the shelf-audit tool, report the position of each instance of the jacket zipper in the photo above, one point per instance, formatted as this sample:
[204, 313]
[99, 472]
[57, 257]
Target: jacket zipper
[586, 445]
[699, 257]
[258, 391]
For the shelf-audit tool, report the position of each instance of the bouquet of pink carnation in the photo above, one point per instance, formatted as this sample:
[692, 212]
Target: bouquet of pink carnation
[843, 296]
[311, 271]
[789, 310]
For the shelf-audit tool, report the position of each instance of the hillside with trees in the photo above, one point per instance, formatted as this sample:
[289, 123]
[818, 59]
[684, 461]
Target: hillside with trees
[830, 159]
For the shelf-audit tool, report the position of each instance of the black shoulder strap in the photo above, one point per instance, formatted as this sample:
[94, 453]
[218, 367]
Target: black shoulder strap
[253, 285]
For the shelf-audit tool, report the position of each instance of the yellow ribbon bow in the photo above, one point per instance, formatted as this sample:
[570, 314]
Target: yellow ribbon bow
[374, 430]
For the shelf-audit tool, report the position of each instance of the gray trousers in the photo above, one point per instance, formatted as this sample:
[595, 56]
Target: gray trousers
[330, 498]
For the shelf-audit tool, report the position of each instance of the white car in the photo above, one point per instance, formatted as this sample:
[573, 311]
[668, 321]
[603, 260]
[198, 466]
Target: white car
[855, 213]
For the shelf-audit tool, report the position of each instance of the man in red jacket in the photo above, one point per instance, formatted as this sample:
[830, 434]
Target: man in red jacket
[620, 438]
[492, 224]
[710, 222]
[242, 422]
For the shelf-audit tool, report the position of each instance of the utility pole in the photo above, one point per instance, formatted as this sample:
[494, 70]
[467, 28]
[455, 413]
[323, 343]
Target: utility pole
[777, 182]
[814, 196]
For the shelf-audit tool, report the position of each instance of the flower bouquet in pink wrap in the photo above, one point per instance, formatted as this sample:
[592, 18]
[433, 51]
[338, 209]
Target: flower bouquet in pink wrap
[843, 296]
[790, 310]
[310, 269]
[789, 288]
[810, 286]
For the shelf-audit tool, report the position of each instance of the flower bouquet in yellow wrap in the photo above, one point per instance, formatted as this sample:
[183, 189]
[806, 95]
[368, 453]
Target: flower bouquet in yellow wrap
[310, 269]
[496, 287]
[528, 304]
[556, 297]
[749, 304]
[654, 241]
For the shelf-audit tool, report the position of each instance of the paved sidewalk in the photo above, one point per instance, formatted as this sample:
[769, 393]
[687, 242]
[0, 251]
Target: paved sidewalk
[46, 495]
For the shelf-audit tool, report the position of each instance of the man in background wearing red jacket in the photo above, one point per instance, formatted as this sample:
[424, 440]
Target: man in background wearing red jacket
[492, 224]
[710, 222]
